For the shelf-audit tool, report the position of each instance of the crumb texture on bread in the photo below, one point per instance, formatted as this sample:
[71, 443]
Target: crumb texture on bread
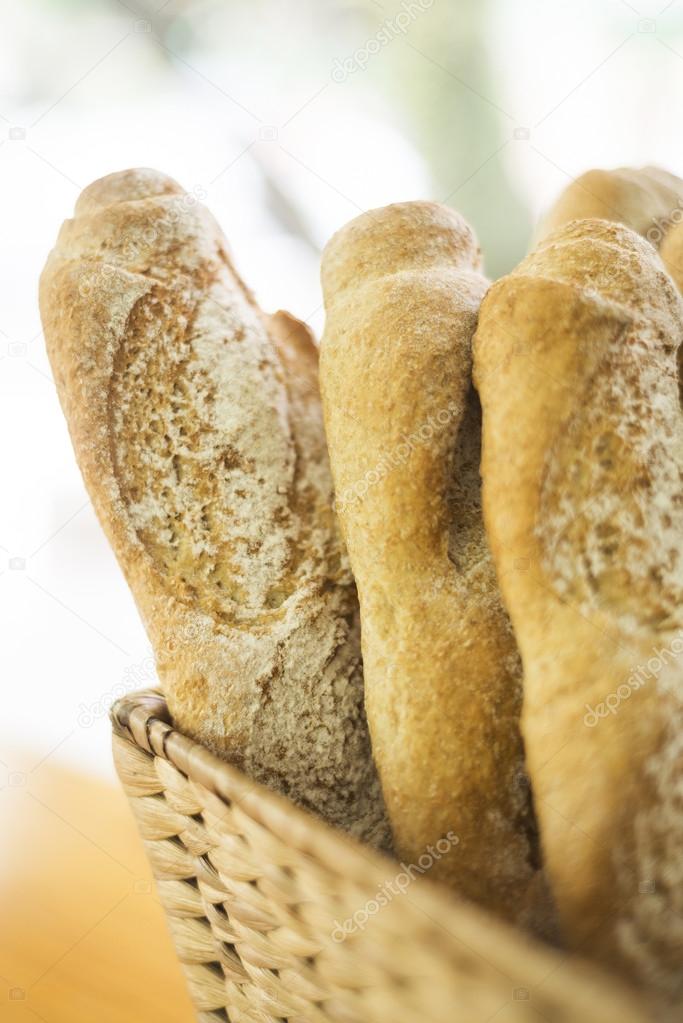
[197, 425]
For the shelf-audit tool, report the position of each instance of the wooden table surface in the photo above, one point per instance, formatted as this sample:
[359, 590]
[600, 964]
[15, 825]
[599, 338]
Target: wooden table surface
[82, 935]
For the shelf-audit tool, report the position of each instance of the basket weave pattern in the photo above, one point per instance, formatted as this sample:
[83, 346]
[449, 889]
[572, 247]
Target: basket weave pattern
[255, 890]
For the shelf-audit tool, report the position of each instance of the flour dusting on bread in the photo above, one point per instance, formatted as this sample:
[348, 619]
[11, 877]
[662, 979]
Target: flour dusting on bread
[197, 426]
[617, 547]
[402, 289]
[584, 509]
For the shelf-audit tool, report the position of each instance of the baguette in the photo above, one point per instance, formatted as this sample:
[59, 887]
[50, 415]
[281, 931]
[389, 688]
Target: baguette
[575, 364]
[648, 199]
[402, 287]
[672, 254]
[197, 426]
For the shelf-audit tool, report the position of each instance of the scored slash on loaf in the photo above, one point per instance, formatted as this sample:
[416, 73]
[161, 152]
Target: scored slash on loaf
[197, 426]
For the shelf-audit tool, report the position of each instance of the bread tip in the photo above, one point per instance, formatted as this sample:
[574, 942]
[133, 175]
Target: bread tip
[125, 186]
[402, 235]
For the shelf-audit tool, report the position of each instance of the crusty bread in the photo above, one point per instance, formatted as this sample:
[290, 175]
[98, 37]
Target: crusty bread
[575, 363]
[647, 199]
[402, 287]
[197, 425]
[671, 252]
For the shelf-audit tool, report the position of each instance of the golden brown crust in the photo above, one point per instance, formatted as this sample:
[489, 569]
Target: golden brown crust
[402, 288]
[197, 426]
[647, 199]
[575, 363]
[672, 253]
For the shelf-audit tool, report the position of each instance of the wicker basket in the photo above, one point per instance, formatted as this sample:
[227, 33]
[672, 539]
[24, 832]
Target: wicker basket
[257, 893]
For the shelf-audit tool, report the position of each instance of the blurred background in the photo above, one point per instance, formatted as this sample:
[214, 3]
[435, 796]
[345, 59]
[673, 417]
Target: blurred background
[289, 117]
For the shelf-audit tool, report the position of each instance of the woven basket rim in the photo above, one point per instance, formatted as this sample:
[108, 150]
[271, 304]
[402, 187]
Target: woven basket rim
[143, 719]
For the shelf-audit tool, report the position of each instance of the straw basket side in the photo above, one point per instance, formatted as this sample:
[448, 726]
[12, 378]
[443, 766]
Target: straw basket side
[257, 893]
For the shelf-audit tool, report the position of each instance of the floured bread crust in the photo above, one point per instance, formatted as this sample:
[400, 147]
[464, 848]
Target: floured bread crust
[647, 199]
[672, 253]
[576, 366]
[197, 426]
[402, 288]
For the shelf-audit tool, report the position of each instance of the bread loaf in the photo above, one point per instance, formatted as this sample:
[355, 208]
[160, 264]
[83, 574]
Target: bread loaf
[648, 200]
[672, 253]
[197, 426]
[402, 287]
[575, 364]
